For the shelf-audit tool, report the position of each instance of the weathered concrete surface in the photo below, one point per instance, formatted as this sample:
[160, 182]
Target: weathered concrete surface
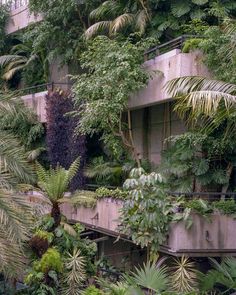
[20, 18]
[151, 126]
[104, 216]
[37, 102]
[204, 238]
[170, 65]
[214, 238]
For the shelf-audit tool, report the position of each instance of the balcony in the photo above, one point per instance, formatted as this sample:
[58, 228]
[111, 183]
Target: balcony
[168, 61]
[205, 238]
[20, 17]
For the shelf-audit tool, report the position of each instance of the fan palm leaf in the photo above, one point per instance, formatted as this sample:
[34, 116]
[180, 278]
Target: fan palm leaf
[223, 273]
[150, 277]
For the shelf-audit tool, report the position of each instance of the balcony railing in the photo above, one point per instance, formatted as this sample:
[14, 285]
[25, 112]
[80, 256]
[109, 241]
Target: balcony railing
[14, 4]
[176, 43]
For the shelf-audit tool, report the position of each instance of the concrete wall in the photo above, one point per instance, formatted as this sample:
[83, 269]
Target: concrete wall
[212, 238]
[168, 66]
[151, 126]
[204, 238]
[37, 103]
[20, 18]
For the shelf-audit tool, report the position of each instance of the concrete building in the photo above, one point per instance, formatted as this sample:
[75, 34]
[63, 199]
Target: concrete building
[153, 120]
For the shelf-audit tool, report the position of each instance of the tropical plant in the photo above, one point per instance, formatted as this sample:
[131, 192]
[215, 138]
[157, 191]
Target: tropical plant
[22, 123]
[101, 107]
[150, 278]
[22, 58]
[219, 44]
[183, 276]
[209, 105]
[75, 274]
[54, 183]
[203, 98]
[221, 278]
[195, 161]
[146, 212]
[118, 16]
[15, 228]
[4, 11]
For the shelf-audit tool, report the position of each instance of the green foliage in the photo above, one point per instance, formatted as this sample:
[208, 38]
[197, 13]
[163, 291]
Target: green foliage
[220, 44]
[191, 44]
[51, 34]
[193, 161]
[74, 274]
[4, 12]
[221, 278]
[100, 103]
[92, 290]
[51, 260]
[146, 213]
[103, 192]
[44, 235]
[55, 182]
[83, 198]
[150, 277]
[227, 207]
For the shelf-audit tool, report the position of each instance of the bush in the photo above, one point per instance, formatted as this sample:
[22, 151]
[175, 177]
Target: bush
[51, 260]
[92, 290]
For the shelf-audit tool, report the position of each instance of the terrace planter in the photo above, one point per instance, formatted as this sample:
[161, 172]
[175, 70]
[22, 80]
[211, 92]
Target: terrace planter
[212, 238]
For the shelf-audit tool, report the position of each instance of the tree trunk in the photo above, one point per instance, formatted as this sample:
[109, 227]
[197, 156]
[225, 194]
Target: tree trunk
[56, 214]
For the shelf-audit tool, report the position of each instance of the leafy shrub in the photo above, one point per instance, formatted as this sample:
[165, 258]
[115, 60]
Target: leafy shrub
[51, 260]
[191, 44]
[103, 192]
[92, 290]
[199, 206]
[148, 211]
[227, 207]
[45, 235]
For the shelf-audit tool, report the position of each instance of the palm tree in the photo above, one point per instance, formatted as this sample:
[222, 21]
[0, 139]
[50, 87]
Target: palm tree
[15, 228]
[20, 57]
[112, 16]
[15, 214]
[210, 102]
[54, 183]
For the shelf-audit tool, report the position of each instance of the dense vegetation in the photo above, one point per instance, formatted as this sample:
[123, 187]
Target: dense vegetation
[102, 43]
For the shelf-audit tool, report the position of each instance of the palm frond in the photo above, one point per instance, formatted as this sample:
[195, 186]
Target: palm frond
[141, 21]
[74, 274]
[55, 182]
[150, 277]
[121, 22]
[13, 159]
[99, 27]
[106, 10]
[6, 59]
[183, 275]
[73, 169]
[15, 228]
